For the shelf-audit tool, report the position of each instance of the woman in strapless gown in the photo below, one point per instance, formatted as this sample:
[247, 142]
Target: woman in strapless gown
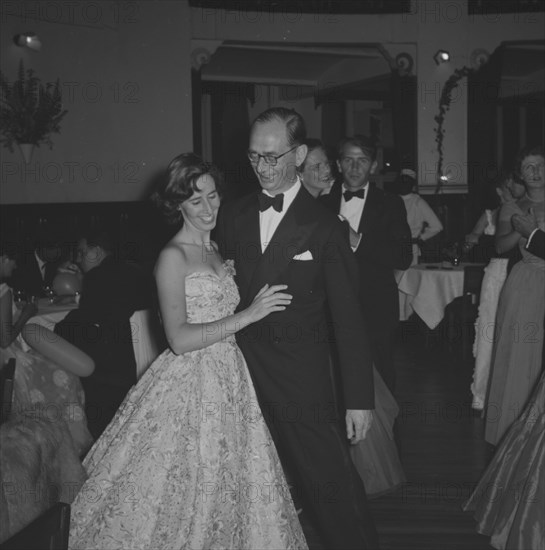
[508, 501]
[188, 462]
[517, 355]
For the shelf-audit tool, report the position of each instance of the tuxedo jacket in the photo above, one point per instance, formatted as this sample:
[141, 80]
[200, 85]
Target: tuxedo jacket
[385, 246]
[111, 293]
[28, 276]
[288, 352]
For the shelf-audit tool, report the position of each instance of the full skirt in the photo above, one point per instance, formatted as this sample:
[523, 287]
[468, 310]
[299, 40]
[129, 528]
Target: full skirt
[187, 463]
[517, 356]
[509, 500]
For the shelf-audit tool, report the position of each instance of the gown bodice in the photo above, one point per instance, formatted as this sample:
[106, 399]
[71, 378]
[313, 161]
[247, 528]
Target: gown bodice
[210, 297]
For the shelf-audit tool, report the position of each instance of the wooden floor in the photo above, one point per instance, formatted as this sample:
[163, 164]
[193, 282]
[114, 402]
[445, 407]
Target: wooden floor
[440, 439]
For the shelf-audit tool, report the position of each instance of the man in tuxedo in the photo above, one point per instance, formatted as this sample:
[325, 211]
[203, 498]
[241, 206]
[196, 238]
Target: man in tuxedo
[381, 240]
[37, 268]
[282, 235]
[112, 291]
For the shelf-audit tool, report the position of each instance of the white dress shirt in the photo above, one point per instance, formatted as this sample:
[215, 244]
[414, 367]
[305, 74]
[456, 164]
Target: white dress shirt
[353, 209]
[270, 219]
[41, 265]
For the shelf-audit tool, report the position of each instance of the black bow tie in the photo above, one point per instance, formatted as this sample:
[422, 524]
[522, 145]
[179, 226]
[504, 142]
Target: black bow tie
[265, 202]
[349, 194]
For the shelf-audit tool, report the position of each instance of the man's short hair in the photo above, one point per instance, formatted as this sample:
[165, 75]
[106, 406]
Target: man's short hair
[295, 125]
[362, 142]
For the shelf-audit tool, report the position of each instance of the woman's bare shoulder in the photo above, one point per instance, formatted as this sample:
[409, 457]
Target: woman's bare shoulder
[172, 257]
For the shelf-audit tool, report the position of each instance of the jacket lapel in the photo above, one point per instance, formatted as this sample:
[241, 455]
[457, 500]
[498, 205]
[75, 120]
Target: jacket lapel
[335, 197]
[248, 245]
[289, 239]
[370, 211]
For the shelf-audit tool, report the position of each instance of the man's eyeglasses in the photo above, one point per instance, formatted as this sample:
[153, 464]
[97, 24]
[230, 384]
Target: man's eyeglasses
[269, 160]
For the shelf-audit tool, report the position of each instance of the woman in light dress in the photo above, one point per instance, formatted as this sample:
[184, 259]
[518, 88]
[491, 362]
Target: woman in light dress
[46, 383]
[188, 462]
[517, 354]
[508, 189]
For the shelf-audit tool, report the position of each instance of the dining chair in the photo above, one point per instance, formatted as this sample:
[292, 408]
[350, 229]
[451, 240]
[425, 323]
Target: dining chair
[50, 531]
[7, 374]
[147, 339]
[462, 312]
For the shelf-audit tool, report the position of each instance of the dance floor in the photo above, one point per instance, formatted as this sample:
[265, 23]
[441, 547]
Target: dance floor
[440, 439]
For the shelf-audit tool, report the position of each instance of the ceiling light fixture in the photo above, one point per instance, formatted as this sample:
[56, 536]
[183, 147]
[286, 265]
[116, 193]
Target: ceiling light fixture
[442, 56]
[28, 40]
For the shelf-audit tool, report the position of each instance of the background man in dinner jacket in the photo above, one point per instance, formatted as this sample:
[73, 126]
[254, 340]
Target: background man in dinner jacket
[37, 266]
[112, 291]
[300, 244]
[381, 239]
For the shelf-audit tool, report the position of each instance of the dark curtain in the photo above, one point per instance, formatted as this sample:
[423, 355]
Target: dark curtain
[196, 94]
[483, 169]
[403, 98]
[230, 127]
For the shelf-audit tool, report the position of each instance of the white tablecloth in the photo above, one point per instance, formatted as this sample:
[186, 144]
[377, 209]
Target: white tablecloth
[426, 289]
[50, 314]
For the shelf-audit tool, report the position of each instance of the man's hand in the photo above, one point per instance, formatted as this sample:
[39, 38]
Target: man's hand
[358, 423]
[524, 224]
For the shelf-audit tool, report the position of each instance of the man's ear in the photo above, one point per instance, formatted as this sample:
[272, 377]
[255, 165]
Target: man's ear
[300, 154]
[373, 167]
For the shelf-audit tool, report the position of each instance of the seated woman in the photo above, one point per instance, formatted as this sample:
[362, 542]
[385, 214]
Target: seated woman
[47, 369]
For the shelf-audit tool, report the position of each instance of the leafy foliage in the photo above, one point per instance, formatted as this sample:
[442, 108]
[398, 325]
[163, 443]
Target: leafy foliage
[444, 106]
[29, 111]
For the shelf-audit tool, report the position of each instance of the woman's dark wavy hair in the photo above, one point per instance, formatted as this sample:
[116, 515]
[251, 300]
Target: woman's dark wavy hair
[180, 182]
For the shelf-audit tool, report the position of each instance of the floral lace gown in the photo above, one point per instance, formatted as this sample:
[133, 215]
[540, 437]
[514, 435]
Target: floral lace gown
[188, 462]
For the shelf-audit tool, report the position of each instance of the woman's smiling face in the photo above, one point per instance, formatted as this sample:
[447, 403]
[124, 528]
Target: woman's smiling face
[201, 209]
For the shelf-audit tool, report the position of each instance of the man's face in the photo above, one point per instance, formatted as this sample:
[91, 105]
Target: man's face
[50, 252]
[270, 138]
[532, 170]
[87, 257]
[356, 166]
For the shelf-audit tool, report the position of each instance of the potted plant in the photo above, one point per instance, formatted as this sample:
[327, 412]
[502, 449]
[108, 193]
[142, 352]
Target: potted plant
[30, 112]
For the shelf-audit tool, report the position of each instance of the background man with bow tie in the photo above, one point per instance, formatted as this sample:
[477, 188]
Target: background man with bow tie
[282, 235]
[37, 266]
[381, 240]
